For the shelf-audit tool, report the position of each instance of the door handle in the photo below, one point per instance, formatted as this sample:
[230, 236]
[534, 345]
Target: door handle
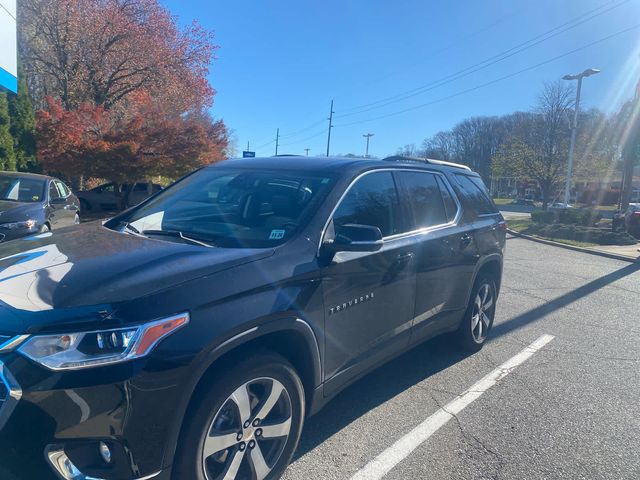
[466, 240]
[404, 258]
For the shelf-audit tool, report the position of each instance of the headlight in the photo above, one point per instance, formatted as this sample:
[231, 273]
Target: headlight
[29, 224]
[72, 351]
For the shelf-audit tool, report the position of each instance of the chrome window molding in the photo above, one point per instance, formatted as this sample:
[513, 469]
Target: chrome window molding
[402, 235]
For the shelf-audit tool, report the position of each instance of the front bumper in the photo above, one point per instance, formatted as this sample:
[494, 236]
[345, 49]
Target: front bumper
[47, 415]
[16, 233]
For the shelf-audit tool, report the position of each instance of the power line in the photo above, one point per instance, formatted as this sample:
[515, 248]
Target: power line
[302, 130]
[315, 135]
[486, 84]
[487, 62]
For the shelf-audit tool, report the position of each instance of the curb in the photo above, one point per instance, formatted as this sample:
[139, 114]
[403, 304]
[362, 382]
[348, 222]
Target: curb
[614, 256]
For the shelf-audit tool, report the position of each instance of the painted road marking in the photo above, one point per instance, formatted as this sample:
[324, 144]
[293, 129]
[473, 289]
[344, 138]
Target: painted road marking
[401, 449]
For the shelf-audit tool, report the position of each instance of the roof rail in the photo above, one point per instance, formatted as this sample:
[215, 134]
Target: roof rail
[431, 161]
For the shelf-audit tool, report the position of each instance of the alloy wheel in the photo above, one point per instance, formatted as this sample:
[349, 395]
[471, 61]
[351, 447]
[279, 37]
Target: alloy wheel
[249, 432]
[482, 312]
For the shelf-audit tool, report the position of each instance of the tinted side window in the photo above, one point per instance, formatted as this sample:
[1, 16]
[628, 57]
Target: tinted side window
[476, 193]
[423, 198]
[372, 200]
[53, 191]
[62, 189]
[450, 205]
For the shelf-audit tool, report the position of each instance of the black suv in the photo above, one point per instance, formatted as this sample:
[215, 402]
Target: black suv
[190, 336]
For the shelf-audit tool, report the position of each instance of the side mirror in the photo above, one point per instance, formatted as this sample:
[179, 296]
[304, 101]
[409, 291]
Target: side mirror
[356, 238]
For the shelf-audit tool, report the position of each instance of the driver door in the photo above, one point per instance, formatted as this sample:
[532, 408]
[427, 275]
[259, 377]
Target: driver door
[368, 296]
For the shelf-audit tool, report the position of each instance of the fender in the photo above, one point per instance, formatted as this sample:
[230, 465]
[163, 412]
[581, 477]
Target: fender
[206, 359]
[494, 257]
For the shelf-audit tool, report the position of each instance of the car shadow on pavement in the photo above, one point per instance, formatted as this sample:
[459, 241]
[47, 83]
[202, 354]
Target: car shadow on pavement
[378, 387]
[422, 362]
[562, 301]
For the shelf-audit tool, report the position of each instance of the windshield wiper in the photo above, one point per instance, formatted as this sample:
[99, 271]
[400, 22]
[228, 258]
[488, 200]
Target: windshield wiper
[131, 229]
[177, 234]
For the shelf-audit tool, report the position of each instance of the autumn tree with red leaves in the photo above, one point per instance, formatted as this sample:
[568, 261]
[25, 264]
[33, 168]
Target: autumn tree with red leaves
[122, 91]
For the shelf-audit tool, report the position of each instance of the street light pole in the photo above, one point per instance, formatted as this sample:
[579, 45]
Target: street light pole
[574, 128]
[306, 150]
[367, 136]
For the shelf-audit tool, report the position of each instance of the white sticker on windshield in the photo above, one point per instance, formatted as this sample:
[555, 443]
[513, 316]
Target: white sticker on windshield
[277, 234]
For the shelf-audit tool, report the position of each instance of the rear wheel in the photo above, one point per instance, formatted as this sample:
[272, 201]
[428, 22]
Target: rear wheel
[246, 425]
[478, 319]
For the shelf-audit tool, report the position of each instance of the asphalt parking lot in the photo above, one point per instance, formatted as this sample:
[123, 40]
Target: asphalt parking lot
[569, 411]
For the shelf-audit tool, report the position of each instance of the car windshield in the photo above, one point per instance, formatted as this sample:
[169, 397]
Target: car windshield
[18, 189]
[233, 208]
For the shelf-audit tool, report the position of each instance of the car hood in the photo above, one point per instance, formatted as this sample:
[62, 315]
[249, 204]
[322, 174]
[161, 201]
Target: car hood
[10, 211]
[89, 267]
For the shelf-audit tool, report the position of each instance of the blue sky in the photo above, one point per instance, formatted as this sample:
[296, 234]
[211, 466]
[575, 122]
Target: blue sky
[280, 63]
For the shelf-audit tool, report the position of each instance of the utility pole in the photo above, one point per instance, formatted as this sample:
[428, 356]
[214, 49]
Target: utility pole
[367, 136]
[277, 140]
[330, 127]
[574, 128]
[306, 150]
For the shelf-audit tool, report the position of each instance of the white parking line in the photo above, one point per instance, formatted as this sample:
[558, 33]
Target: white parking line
[383, 463]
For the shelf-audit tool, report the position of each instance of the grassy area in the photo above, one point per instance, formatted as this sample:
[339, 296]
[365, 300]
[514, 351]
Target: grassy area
[518, 225]
[522, 226]
[603, 208]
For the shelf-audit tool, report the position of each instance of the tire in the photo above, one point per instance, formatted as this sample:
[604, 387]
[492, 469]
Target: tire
[217, 410]
[474, 329]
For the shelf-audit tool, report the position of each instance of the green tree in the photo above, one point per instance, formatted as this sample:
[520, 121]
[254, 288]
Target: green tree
[7, 155]
[22, 126]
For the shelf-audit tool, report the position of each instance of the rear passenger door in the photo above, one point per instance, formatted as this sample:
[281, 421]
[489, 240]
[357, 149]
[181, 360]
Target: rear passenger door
[369, 296]
[445, 254]
[480, 212]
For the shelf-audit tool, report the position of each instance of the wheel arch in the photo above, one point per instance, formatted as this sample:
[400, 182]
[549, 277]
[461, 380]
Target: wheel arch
[491, 264]
[291, 337]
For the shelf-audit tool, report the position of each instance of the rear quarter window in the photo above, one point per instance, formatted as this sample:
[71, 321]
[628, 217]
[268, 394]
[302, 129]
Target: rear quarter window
[476, 195]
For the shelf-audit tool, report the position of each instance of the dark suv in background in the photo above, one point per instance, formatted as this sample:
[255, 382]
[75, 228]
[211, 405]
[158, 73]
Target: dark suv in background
[189, 337]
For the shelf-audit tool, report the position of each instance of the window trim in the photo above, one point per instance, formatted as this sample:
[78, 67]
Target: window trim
[410, 233]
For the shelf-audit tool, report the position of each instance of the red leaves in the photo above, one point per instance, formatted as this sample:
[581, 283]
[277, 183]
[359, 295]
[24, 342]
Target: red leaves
[129, 89]
[129, 146]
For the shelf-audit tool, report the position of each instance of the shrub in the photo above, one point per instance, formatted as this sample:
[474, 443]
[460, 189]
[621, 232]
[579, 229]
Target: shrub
[571, 216]
[581, 233]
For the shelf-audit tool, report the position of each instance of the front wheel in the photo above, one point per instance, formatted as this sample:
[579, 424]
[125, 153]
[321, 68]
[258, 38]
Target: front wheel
[246, 425]
[478, 318]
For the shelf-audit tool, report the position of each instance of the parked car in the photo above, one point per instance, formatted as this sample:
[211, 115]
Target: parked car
[523, 201]
[32, 203]
[559, 206]
[190, 336]
[632, 219]
[105, 198]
